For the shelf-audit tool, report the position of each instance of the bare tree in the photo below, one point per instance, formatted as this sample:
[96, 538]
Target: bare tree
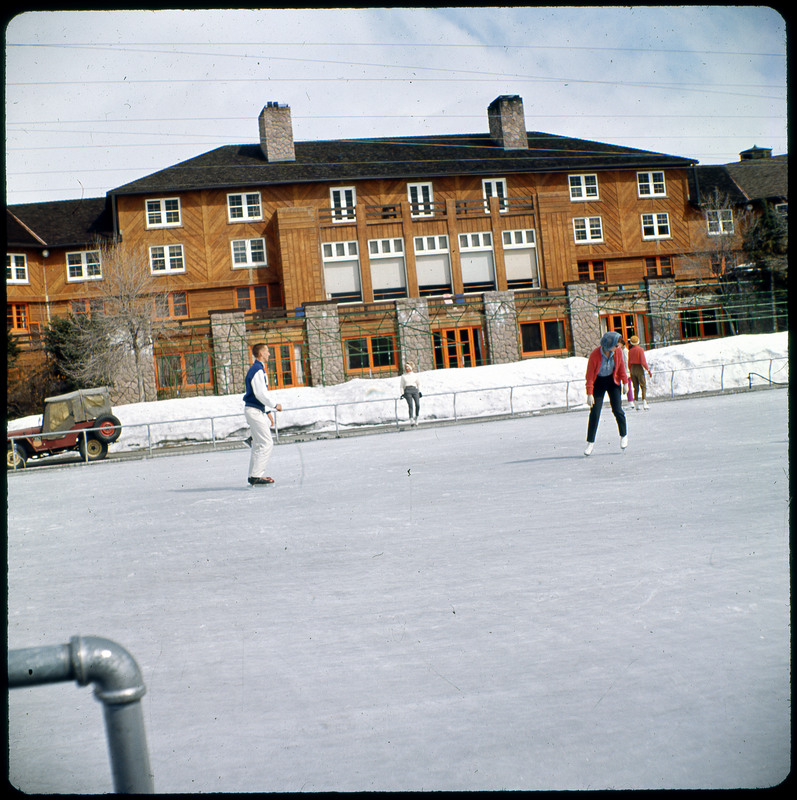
[718, 248]
[117, 348]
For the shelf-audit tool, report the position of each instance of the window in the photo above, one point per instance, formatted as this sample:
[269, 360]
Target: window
[520, 259]
[476, 261]
[166, 258]
[420, 197]
[458, 347]
[723, 262]
[173, 305]
[83, 266]
[658, 267]
[587, 229]
[592, 271]
[719, 222]
[342, 271]
[248, 253]
[257, 298]
[16, 269]
[655, 226]
[388, 274]
[163, 213]
[583, 187]
[177, 372]
[17, 317]
[86, 307]
[343, 202]
[650, 184]
[370, 354]
[286, 365]
[547, 336]
[242, 207]
[702, 323]
[622, 323]
[432, 265]
[494, 187]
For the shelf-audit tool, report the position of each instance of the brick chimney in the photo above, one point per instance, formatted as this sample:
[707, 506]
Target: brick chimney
[508, 122]
[276, 133]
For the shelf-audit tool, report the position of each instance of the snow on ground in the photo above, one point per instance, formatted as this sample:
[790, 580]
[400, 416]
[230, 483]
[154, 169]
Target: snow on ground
[459, 607]
[539, 384]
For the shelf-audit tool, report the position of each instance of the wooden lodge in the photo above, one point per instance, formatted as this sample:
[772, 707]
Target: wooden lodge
[352, 257]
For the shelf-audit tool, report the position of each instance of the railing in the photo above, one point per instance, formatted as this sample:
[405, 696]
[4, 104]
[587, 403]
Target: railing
[424, 211]
[118, 686]
[510, 400]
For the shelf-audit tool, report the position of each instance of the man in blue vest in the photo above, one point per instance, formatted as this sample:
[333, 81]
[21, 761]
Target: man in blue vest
[256, 403]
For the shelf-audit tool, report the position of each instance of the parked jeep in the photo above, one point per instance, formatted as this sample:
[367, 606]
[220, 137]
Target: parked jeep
[65, 416]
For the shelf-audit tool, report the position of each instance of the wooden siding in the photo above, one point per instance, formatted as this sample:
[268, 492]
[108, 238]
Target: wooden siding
[296, 222]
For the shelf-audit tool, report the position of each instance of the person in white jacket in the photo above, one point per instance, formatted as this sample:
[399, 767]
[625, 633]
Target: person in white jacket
[256, 410]
[411, 391]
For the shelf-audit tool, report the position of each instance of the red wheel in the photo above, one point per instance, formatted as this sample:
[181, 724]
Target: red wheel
[109, 428]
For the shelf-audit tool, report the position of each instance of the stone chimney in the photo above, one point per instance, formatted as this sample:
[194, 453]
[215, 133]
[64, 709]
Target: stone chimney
[276, 133]
[508, 122]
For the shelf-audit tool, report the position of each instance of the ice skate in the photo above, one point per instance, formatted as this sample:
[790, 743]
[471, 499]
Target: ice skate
[623, 442]
[588, 448]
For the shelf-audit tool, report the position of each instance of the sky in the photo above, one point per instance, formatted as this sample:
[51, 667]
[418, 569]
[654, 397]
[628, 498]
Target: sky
[96, 99]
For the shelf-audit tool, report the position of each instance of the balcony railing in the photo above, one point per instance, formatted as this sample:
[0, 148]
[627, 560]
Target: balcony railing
[419, 212]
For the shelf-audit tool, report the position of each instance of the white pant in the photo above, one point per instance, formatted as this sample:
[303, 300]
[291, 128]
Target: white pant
[262, 443]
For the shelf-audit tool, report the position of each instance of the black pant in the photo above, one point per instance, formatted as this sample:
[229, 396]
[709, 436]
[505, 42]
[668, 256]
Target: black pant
[411, 395]
[602, 386]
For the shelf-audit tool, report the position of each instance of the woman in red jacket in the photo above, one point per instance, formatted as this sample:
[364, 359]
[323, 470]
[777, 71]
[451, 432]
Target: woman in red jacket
[606, 373]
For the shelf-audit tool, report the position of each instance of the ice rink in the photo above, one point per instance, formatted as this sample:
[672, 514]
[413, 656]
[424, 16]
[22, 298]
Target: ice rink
[454, 607]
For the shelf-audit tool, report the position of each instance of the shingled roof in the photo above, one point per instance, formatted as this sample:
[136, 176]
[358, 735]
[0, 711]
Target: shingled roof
[742, 181]
[59, 223]
[762, 178]
[412, 158]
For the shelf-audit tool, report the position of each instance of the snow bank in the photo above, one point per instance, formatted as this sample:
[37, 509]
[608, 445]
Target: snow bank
[521, 387]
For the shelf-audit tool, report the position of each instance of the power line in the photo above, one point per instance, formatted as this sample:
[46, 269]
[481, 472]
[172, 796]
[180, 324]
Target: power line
[403, 45]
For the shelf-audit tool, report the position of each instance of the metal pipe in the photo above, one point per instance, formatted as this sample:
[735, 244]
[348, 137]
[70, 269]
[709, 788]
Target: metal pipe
[118, 685]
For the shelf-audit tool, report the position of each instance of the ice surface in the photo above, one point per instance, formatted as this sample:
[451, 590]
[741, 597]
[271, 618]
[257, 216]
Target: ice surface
[457, 607]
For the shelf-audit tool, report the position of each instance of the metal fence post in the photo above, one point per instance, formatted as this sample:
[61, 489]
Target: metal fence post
[118, 686]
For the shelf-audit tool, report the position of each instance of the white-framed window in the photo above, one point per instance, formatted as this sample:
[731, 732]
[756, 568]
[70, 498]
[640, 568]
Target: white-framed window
[16, 268]
[421, 198]
[432, 264]
[494, 187]
[343, 201]
[163, 213]
[476, 261]
[587, 229]
[83, 266]
[166, 258]
[388, 270]
[655, 226]
[520, 258]
[244, 207]
[651, 184]
[248, 253]
[719, 222]
[583, 187]
[342, 271]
